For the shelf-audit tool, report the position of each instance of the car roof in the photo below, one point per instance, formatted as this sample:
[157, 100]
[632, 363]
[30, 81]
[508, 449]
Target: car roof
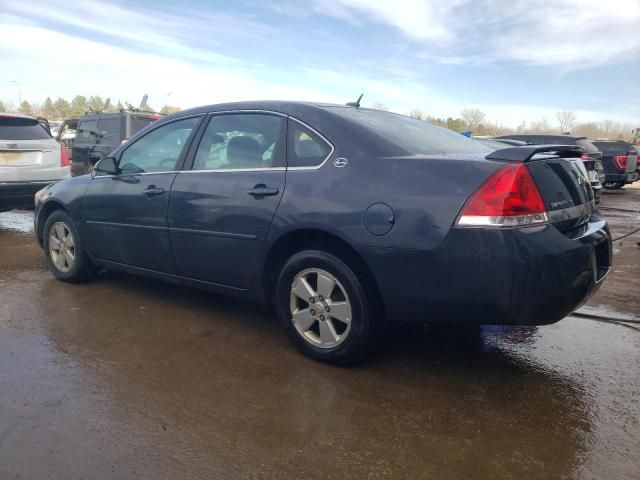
[94, 116]
[278, 106]
[17, 115]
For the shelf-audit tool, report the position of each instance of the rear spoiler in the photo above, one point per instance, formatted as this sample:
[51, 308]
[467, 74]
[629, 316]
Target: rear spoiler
[526, 153]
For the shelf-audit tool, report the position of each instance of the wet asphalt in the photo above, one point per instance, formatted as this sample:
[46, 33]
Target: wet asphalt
[125, 378]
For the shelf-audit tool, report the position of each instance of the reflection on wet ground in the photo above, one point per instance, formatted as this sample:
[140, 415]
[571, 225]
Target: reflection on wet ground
[132, 378]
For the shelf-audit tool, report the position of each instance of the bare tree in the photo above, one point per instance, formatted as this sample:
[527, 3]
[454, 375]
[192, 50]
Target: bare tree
[567, 120]
[417, 114]
[472, 117]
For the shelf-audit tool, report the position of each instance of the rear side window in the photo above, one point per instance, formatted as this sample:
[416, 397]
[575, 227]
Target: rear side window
[241, 141]
[87, 132]
[18, 128]
[109, 130]
[306, 149]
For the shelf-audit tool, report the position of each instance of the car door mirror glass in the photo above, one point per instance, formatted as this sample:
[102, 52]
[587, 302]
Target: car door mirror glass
[106, 166]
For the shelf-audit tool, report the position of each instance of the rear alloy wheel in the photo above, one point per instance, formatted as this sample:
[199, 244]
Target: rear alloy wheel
[65, 257]
[320, 308]
[327, 312]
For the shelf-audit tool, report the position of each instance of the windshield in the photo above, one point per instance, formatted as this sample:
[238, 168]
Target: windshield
[417, 136]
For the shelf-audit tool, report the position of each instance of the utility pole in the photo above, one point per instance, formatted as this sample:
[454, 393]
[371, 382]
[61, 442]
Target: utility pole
[19, 92]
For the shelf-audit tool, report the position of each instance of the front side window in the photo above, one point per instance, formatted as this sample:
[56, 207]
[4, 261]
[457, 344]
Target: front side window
[306, 149]
[241, 141]
[159, 150]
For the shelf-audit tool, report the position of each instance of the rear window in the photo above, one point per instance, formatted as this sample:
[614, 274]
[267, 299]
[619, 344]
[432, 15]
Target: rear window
[18, 128]
[417, 136]
[614, 147]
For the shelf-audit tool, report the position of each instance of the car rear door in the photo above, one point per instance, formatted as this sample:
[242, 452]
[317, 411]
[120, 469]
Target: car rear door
[125, 215]
[221, 209]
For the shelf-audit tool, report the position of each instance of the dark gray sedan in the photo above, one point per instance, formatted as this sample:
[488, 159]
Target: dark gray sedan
[347, 219]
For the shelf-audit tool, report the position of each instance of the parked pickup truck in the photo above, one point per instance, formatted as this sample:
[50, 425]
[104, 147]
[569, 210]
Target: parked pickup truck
[620, 160]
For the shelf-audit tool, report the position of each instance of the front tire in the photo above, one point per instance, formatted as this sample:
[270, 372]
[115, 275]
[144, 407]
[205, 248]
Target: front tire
[64, 253]
[325, 308]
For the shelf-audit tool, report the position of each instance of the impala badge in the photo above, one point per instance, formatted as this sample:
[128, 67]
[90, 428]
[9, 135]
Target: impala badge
[340, 162]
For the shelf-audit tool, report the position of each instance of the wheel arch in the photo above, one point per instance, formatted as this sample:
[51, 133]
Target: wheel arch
[45, 211]
[295, 241]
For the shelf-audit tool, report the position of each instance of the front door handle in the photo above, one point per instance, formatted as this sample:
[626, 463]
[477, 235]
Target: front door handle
[153, 191]
[261, 190]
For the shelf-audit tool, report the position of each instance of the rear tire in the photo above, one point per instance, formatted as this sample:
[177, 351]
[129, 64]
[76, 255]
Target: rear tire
[613, 185]
[63, 249]
[326, 310]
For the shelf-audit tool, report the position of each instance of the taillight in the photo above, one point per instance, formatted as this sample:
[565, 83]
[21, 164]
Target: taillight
[64, 156]
[621, 161]
[508, 198]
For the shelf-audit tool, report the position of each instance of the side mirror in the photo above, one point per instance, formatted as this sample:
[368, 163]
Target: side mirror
[106, 166]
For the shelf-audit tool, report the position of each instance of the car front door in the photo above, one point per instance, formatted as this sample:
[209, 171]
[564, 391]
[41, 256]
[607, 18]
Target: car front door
[221, 209]
[125, 215]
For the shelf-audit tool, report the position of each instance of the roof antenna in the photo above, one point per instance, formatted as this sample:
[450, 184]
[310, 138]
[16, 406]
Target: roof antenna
[357, 102]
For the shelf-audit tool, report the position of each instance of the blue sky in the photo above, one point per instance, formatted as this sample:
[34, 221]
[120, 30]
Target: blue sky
[516, 60]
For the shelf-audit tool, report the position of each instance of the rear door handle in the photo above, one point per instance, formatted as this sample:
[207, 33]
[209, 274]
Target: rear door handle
[152, 191]
[261, 190]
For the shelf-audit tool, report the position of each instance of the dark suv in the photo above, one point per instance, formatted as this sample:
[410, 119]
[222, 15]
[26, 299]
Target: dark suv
[592, 156]
[99, 134]
[620, 161]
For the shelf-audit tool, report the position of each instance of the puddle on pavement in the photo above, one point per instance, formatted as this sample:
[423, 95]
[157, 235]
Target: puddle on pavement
[126, 377]
[17, 221]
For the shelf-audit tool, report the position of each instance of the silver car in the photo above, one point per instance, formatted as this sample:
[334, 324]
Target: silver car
[30, 159]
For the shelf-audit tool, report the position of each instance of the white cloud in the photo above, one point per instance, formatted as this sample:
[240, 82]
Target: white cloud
[418, 19]
[572, 34]
[126, 75]
[138, 54]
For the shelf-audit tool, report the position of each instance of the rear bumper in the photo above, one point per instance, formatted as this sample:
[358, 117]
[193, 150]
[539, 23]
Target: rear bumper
[623, 177]
[20, 194]
[530, 276]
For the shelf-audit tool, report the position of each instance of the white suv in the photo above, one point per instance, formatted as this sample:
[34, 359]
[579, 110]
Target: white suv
[29, 160]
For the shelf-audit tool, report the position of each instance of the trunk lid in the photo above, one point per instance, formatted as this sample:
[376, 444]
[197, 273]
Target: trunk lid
[22, 153]
[562, 180]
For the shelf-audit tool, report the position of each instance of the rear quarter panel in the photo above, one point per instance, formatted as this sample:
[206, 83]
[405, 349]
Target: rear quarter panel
[424, 193]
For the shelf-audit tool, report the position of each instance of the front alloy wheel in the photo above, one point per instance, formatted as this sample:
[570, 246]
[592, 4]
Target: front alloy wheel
[62, 248]
[320, 308]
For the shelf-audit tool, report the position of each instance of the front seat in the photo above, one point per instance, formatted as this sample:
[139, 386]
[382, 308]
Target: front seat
[244, 152]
